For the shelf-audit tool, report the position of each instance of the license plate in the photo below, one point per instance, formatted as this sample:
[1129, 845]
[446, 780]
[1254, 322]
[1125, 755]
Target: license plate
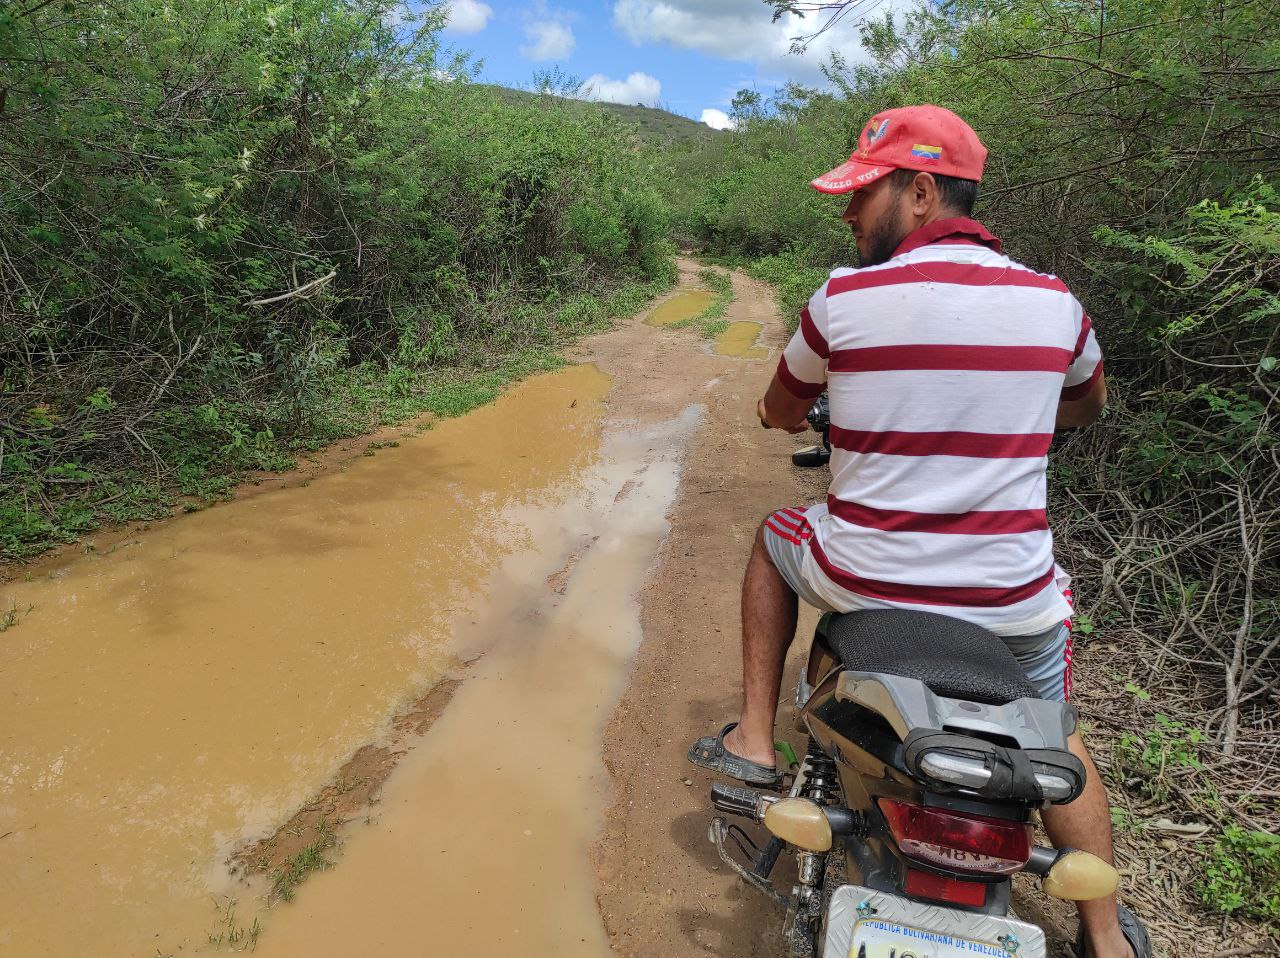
[862, 923]
[873, 938]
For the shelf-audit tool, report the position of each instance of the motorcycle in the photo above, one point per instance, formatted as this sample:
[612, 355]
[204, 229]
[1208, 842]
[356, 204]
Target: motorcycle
[819, 419]
[912, 807]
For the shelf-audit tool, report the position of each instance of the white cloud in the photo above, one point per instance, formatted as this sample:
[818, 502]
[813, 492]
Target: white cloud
[724, 28]
[717, 119]
[468, 16]
[741, 30]
[636, 88]
[548, 40]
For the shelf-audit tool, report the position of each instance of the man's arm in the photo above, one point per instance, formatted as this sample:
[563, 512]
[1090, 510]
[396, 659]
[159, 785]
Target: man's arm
[1084, 389]
[1085, 410]
[781, 409]
[802, 371]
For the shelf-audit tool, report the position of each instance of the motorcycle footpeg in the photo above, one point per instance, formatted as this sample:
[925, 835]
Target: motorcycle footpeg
[811, 457]
[737, 800]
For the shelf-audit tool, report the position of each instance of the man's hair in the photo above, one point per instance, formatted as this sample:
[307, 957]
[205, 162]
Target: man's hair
[957, 195]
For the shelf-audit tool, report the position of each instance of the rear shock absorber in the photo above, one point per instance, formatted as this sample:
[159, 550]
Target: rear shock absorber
[816, 781]
[820, 781]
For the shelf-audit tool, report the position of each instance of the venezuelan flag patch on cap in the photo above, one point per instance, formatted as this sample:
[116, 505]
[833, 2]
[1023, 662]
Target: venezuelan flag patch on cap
[924, 152]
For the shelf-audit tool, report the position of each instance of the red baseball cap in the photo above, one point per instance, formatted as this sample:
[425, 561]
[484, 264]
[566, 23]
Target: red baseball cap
[928, 138]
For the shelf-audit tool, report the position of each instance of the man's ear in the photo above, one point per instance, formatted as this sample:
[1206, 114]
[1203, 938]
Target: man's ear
[924, 192]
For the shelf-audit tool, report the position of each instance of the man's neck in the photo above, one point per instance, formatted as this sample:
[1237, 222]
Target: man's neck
[950, 227]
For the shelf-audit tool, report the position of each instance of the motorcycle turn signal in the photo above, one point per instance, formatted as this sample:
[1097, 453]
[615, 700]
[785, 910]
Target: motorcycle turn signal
[799, 822]
[1080, 876]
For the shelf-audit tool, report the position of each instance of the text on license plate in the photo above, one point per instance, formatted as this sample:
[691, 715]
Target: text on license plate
[873, 938]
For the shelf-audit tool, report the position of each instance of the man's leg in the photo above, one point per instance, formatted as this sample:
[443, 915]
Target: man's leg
[1086, 824]
[769, 612]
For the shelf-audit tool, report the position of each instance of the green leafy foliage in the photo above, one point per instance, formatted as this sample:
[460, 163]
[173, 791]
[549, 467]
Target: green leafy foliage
[1241, 871]
[232, 231]
[1202, 295]
[1167, 743]
[1242, 875]
[794, 276]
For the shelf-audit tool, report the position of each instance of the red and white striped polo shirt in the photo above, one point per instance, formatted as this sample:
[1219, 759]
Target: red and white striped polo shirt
[945, 366]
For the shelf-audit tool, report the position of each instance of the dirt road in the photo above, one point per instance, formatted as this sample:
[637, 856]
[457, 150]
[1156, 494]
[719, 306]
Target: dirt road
[662, 890]
[527, 885]
[435, 700]
[400, 667]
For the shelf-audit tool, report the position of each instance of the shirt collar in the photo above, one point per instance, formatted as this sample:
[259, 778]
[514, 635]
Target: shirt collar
[953, 228]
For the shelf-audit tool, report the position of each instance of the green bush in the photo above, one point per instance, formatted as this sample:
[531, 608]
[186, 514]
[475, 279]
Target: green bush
[1242, 876]
[230, 232]
[1158, 751]
[794, 275]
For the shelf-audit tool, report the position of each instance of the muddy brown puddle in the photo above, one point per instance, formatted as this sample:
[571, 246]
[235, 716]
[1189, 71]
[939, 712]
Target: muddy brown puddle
[681, 307]
[739, 341]
[480, 843]
[169, 702]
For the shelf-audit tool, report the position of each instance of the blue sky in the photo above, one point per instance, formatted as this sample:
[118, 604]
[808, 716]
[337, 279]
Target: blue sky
[688, 56]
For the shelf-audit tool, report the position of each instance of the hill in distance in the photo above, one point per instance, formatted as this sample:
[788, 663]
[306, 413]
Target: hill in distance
[653, 123]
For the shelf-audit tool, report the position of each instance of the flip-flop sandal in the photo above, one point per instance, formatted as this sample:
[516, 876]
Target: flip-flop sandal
[709, 752]
[1134, 932]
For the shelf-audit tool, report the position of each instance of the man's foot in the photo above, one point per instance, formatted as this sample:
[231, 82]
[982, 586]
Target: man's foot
[1129, 938]
[712, 752]
[737, 743]
[1118, 947]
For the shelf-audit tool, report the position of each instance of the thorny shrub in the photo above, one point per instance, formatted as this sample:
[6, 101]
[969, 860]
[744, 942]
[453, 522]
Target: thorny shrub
[225, 226]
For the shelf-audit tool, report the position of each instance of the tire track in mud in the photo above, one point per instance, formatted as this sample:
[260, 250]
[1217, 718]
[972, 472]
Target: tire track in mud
[509, 868]
[661, 888]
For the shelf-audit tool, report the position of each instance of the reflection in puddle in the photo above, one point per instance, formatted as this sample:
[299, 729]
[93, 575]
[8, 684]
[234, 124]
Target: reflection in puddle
[480, 843]
[739, 340]
[680, 307]
[166, 703]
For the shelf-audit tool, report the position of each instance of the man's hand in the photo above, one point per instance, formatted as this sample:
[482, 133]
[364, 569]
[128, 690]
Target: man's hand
[799, 427]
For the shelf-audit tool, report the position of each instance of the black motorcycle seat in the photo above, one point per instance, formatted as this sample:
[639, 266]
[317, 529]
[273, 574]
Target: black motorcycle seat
[954, 658]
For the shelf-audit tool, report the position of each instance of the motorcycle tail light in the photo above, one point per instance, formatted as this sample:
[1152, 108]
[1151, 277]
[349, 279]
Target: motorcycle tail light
[956, 841]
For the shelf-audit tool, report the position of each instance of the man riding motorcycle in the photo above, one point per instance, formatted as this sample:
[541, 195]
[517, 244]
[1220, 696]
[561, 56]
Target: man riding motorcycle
[948, 367]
